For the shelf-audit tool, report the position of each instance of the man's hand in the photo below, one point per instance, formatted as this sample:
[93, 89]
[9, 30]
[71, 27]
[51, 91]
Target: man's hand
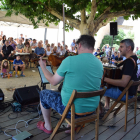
[41, 62]
[2, 55]
[9, 55]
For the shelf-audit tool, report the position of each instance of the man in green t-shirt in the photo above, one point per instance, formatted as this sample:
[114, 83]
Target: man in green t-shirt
[82, 72]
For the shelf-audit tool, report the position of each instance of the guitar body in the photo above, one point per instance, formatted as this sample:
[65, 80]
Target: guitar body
[56, 60]
[109, 72]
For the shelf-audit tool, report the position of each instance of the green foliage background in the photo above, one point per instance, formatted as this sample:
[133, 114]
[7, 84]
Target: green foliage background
[116, 42]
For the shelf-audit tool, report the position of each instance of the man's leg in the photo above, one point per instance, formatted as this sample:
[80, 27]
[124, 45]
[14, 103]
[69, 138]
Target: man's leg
[16, 69]
[23, 68]
[50, 99]
[47, 117]
[107, 102]
[114, 93]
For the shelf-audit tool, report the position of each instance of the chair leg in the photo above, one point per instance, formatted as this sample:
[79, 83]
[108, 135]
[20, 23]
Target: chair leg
[118, 109]
[72, 122]
[126, 109]
[135, 111]
[109, 111]
[79, 128]
[96, 129]
[56, 128]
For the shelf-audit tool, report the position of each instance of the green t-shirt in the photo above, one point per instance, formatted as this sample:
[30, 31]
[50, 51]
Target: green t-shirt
[82, 72]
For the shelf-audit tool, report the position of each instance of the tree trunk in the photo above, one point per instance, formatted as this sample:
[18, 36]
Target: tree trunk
[85, 30]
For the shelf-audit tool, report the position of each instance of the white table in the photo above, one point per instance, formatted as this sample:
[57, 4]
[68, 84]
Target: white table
[18, 53]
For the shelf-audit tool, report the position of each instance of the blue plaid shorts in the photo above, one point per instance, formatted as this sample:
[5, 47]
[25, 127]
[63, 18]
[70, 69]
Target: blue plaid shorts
[52, 99]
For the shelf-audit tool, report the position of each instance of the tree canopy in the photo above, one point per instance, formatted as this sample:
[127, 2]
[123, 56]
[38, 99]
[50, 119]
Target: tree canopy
[88, 16]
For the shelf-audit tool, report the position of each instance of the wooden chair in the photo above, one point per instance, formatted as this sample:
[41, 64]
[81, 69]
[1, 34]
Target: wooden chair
[126, 103]
[82, 120]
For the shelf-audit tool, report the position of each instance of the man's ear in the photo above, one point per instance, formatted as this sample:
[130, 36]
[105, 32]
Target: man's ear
[129, 48]
[79, 45]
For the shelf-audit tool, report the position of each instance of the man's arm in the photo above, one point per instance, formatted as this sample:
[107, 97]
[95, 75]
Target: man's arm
[53, 79]
[120, 82]
[2, 53]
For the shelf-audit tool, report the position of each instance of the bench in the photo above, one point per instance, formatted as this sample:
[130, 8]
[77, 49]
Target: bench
[44, 81]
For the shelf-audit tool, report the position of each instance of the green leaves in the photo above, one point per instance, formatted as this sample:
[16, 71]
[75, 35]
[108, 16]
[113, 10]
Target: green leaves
[42, 9]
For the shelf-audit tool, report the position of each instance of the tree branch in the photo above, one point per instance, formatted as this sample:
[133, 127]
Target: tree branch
[103, 16]
[72, 22]
[83, 16]
[93, 12]
[121, 13]
[98, 26]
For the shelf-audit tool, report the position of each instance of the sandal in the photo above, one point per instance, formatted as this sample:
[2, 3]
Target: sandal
[69, 131]
[40, 125]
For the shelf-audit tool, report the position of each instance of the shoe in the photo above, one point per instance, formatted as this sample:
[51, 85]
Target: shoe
[40, 125]
[22, 75]
[16, 76]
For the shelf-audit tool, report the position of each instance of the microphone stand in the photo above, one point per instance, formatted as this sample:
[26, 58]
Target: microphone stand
[110, 57]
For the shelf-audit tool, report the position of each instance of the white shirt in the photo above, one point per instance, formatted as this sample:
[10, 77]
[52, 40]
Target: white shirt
[44, 46]
[48, 52]
[73, 51]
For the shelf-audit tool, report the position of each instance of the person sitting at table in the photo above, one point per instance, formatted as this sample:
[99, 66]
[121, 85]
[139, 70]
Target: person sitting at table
[40, 52]
[30, 41]
[58, 46]
[27, 49]
[72, 49]
[18, 66]
[52, 46]
[55, 50]
[20, 46]
[34, 44]
[66, 48]
[12, 43]
[3, 39]
[6, 52]
[61, 51]
[41, 42]
[48, 50]
[26, 40]
[45, 45]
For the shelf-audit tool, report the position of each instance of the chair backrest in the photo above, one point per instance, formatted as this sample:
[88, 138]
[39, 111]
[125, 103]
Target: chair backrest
[76, 94]
[90, 94]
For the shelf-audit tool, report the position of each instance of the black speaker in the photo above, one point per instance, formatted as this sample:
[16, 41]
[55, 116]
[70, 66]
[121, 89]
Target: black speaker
[1, 95]
[113, 28]
[27, 95]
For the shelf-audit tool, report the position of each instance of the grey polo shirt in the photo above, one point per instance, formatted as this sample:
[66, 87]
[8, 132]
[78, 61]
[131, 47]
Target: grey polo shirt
[20, 46]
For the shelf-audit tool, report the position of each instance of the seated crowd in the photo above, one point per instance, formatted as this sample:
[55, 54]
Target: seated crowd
[10, 47]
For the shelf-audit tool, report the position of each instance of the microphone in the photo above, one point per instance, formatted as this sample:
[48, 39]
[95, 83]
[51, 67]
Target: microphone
[99, 53]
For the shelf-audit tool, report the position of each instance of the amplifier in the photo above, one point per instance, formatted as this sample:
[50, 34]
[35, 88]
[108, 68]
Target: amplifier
[27, 95]
[1, 96]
